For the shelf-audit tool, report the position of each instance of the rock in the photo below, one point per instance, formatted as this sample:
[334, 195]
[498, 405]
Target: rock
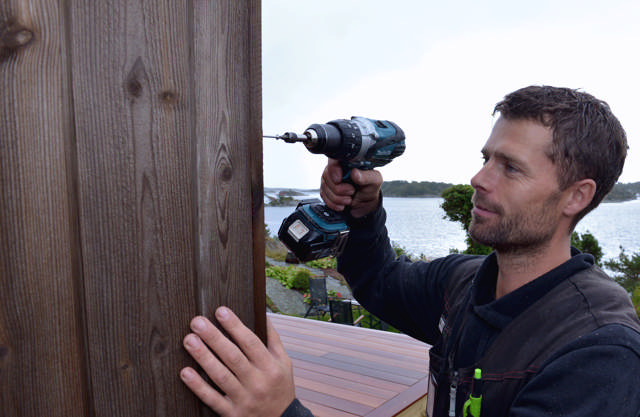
[287, 301]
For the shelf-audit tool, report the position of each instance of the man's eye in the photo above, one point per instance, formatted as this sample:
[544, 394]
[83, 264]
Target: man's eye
[511, 168]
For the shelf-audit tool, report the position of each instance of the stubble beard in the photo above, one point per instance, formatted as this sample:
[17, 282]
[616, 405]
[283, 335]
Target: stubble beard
[520, 233]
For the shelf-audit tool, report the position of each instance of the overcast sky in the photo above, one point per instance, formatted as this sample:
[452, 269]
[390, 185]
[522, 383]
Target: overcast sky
[436, 69]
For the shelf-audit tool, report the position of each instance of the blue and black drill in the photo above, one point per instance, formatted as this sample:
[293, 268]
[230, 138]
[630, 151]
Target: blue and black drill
[313, 230]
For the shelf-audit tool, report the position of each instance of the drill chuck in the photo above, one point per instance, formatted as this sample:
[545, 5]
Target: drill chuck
[339, 139]
[357, 143]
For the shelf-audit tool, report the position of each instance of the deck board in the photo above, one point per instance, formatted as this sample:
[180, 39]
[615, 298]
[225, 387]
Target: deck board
[346, 371]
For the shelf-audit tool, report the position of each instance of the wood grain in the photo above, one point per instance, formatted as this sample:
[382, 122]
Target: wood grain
[225, 149]
[131, 199]
[41, 341]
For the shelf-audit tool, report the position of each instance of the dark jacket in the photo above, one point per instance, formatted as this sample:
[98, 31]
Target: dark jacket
[591, 373]
[575, 307]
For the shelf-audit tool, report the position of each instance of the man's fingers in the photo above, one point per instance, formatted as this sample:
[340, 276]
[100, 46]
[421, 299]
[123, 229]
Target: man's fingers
[274, 343]
[367, 178]
[216, 370]
[205, 392]
[257, 380]
[334, 201]
[235, 365]
[252, 347]
[334, 170]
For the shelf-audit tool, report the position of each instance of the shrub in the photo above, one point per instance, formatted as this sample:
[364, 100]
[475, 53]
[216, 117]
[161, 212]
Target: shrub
[587, 243]
[277, 272]
[635, 298]
[291, 277]
[299, 280]
[323, 263]
[627, 269]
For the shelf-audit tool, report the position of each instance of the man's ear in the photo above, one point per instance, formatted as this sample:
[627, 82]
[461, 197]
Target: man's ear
[580, 195]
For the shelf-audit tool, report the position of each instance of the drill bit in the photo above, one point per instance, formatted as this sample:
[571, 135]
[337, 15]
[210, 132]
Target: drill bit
[289, 137]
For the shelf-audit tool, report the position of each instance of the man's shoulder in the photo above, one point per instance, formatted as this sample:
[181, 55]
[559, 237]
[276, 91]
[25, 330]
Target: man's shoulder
[611, 337]
[603, 299]
[458, 272]
[461, 264]
[616, 334]
[595, 374]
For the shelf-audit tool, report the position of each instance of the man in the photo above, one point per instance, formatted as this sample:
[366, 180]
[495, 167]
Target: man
[551, 332]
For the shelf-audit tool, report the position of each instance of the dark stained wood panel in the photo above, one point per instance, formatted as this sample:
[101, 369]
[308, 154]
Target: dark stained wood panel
[131, 197]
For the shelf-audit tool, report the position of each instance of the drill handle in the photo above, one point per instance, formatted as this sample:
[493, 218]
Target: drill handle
[346, 171]
[346, 174]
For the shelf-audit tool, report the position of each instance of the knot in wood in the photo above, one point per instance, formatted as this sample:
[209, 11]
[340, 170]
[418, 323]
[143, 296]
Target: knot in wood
[134, 87]
[168, 97]
[13, 36]
[159, 348]
[226, 173]
[137, 76]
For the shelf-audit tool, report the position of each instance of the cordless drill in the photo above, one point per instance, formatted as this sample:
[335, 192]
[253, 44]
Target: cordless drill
[313, 230]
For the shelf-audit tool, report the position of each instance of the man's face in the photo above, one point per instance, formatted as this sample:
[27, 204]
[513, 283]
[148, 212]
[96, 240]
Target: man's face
[516, 199]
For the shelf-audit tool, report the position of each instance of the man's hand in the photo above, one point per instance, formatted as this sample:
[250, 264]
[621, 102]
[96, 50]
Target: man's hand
[257, 380]
[337, 194]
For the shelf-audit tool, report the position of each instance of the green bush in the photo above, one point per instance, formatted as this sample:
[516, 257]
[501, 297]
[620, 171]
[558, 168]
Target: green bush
[323, 263]
[635, 298]
[627, 269]
[291, 277]
[587, 243]
[277, 272]
[299, 280]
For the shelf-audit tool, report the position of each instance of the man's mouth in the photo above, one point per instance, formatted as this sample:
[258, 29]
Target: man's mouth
[483, 209]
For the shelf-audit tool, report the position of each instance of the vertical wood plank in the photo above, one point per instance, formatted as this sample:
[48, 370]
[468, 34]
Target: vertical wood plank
[41, 342]
[131, 87]
[228, 132]
[254, 141]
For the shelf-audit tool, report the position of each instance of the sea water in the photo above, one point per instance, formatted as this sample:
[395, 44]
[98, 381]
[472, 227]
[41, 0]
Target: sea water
[418, 225]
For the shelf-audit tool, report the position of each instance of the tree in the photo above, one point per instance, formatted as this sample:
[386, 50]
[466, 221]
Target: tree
[635, 299]
[587, 243]
[628, 269]
[457, 206]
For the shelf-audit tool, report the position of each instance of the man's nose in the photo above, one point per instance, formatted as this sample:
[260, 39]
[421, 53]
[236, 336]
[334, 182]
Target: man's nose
[483, 178]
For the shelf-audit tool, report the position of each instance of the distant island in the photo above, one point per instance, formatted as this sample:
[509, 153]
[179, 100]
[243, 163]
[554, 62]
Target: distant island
[290, 197]
[620, 192]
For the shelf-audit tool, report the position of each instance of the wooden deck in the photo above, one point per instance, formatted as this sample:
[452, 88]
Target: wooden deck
[346, 371]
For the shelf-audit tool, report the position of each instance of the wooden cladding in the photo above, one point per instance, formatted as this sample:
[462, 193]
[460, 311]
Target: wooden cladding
[131, 197]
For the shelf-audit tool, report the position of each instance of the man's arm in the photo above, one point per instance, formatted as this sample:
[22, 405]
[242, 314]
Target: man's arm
[405, 294]
[257, 379]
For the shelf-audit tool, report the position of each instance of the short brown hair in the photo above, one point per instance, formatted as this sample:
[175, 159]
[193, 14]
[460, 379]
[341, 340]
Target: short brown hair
[588, 140]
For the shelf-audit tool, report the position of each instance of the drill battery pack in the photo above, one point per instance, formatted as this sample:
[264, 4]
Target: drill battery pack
[314, 231]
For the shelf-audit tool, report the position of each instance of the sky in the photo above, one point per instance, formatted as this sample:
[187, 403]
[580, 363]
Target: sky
[436, 69]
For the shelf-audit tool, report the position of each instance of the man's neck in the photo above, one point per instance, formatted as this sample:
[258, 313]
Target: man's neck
[518, 269]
